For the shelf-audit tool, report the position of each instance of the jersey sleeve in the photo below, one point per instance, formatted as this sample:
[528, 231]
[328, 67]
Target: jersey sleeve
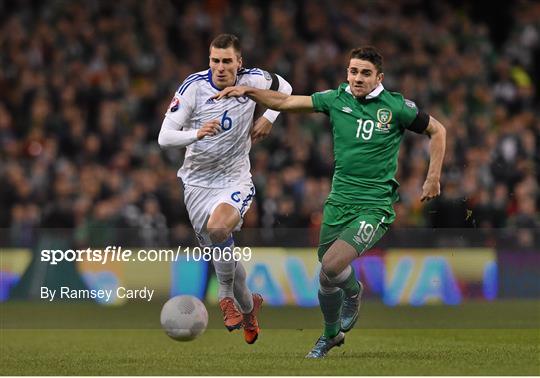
[322, 101]
[408, 113]
[266, 80]
[262, 79]
[411, 118]
[182, 104]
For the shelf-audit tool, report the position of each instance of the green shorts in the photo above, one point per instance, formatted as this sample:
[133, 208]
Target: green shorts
[358, 225]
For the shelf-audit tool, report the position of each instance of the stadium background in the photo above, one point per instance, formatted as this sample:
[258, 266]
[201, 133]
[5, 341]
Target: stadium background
[83, 90]
[85, 87]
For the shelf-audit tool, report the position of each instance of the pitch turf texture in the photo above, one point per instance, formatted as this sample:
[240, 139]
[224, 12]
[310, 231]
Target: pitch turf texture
[479, 338]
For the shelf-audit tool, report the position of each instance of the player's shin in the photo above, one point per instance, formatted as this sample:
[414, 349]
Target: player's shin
[250, 304]
[331, 301]
[242, 294]
[225, 268]
[352, 288]
[346, 280]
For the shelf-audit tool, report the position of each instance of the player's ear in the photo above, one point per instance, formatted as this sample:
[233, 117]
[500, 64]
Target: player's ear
[380, 77]
[239, 63]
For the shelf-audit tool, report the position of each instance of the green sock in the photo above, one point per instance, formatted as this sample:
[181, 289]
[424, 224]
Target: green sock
[331, 309]
[350, 286]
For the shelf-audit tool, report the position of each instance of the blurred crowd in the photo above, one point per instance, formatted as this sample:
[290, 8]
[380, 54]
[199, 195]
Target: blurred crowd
[84, 87]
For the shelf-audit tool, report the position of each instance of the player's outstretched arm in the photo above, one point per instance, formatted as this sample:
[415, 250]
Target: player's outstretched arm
[271, 99]
[172, 135]
[263, 125]
[437, 133]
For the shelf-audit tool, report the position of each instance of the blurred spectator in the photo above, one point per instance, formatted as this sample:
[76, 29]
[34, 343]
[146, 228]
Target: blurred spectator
[152, 225]
[83, 89]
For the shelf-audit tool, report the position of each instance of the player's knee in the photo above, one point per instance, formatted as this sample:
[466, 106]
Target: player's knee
[218, 230]
[218, 234]
[324, 281]
[328, 268]
[325, 277]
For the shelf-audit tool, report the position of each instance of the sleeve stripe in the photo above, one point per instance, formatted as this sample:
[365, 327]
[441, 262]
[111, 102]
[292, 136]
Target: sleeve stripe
[186, 86]
[275, 82]
[187, 79]
[251, 71]
[190, 79]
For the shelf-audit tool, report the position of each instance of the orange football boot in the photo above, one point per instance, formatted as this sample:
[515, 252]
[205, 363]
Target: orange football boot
[251, 325]
[231, 316]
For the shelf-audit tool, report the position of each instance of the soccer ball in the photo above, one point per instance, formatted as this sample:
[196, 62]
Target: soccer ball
[184, 317]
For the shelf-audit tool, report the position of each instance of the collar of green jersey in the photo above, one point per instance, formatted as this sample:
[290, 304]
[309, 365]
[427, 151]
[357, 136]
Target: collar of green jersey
[374, 93]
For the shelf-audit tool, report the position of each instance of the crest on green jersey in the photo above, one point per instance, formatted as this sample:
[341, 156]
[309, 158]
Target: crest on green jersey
[384, 116]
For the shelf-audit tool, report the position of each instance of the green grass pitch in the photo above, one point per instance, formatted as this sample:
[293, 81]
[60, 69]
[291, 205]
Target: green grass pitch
[477, 338]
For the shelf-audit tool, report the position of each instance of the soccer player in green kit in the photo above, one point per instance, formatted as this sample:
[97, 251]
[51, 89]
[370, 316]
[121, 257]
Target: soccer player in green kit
[368, 124]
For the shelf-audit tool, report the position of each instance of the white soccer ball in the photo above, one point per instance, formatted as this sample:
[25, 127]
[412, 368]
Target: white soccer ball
[184, 317]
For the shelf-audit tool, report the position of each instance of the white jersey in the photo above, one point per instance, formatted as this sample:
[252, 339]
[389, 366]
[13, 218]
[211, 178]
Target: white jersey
[221, 160]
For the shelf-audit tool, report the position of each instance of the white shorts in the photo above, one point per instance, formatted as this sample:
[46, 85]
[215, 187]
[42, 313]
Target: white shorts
[201, 202]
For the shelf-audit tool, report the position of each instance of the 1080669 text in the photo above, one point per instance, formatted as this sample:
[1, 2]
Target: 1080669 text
[217, 253]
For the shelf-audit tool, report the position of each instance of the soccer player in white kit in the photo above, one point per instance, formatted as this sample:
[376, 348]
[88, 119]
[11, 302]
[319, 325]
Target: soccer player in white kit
[216, 172]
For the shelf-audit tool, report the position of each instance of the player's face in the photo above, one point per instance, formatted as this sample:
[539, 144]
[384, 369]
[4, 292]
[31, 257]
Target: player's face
[224, 64]
[363, 77]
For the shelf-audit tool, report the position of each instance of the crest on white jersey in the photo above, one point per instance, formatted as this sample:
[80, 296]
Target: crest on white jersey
[174, 105]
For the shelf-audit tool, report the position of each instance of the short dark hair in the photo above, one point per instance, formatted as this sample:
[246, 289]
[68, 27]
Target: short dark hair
[224, 41]
[369, 53]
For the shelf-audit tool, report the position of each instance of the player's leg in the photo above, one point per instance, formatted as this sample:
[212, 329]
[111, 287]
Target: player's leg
[220, 226]
[339, 296]
[337, 273]
[330, 296]
[330, 301]
[340, 293]
[242, 294]
[250, 303]
[221, 222]
[366, 230]
[201, 204]
[336, 276]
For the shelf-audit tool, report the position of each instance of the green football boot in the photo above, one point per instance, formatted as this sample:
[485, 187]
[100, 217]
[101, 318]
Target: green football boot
[351, 308]
[324, 344]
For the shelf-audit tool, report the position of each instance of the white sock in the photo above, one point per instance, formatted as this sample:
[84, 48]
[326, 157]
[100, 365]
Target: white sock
[326, 290]
[225, 270]
[242, 294]
[342, 277]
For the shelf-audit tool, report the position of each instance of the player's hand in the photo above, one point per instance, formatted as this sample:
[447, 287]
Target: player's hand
[261, 129]
[210, 128]
[236, 91]
[430, 190]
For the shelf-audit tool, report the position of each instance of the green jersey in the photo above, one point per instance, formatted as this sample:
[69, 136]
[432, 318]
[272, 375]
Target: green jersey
[367, 134]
